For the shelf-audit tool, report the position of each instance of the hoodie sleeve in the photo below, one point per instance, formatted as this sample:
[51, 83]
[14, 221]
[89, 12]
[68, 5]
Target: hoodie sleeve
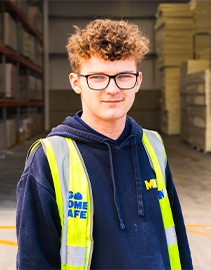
[183, 245]
[37, 218]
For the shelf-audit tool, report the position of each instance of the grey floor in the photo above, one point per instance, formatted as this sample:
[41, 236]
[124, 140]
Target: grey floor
[192, 176]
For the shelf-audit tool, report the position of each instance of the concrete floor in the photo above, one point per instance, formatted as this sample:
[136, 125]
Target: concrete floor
[192, 176]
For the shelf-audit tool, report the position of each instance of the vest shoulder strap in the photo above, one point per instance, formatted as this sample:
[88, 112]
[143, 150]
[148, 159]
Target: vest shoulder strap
[157, 157]
[32, 148]
[157, 144]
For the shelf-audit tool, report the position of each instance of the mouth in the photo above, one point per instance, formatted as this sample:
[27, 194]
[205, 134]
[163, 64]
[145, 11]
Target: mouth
[113, 101]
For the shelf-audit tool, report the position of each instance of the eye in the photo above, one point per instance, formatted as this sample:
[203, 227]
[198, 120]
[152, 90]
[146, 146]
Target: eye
[97, 77]
[125, 76]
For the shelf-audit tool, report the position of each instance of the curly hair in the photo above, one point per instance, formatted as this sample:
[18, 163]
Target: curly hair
[107, 39]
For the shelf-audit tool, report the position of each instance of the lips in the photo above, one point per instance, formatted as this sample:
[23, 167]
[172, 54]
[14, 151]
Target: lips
[113, 101]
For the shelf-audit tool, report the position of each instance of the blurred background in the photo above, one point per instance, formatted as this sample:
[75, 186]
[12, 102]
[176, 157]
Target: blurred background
[174, 98]
[35, 93]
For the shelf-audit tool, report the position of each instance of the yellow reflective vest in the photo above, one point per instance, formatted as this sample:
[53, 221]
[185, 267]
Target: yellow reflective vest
[75, 201]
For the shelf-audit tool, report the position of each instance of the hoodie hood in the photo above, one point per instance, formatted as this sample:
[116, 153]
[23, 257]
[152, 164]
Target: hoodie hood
[76, 129]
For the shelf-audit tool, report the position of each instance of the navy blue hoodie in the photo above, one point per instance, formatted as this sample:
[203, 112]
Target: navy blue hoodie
[128, 229]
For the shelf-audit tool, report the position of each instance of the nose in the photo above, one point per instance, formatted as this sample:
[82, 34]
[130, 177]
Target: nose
[112, 88]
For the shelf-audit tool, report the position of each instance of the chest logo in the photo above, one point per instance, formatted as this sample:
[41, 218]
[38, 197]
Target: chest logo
[150, 184]
[77, 207]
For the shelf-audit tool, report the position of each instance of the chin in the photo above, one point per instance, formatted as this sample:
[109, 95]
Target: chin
[115, 116]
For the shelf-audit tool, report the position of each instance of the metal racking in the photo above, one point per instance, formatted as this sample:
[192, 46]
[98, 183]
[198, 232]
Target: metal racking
[17, 106]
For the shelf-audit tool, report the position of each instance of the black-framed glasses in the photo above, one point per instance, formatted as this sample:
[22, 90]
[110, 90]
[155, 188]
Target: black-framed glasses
[124, 81]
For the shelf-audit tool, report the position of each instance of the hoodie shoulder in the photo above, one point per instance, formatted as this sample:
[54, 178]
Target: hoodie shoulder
[37, 168]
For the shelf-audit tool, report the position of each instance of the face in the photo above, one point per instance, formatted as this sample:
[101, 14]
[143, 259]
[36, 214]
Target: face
[111, 104]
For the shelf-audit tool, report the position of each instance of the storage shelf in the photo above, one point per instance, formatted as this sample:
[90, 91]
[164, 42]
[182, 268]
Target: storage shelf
[5, 103]
[21, 74]
[17, 57]
[24, 19]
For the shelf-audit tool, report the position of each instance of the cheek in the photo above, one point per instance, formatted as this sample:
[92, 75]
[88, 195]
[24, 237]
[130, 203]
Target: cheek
[89, 96]
[133, 99]
[130, 100]
[133, 95]
[137, 87]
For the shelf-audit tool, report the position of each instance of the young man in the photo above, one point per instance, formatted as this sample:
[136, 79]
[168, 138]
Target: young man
[97, 193]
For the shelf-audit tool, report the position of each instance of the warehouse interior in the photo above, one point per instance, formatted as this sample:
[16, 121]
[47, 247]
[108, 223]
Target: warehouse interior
[174, 98]
[35, 93]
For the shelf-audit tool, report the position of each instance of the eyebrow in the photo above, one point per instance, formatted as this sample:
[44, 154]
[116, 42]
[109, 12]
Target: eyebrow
[101, 72]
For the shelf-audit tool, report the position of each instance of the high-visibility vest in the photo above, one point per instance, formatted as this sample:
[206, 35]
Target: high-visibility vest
[155, 150]
[75, 201]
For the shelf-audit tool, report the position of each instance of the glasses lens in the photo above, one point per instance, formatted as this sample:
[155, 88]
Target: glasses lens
[98, 81]
[126, 80]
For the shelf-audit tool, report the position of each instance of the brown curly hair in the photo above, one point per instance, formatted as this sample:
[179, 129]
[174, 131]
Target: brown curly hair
[108, 39]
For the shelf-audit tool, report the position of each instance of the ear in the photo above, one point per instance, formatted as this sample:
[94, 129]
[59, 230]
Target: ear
[74, 81]
[139, 81]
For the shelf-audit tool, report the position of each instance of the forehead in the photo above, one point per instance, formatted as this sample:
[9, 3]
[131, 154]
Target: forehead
[98, 65]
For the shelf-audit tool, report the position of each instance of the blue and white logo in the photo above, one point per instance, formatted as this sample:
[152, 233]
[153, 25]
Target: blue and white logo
[77, 207]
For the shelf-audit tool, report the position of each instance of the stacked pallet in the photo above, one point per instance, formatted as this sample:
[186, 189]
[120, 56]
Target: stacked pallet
[186, 68]
[201, 14]
[199, 109]
[201, 10]
[170, 118]
[202, 45]
[173, 33]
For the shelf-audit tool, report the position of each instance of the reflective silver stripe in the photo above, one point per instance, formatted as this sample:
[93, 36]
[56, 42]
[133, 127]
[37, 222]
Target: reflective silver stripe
[70, 255]
[91, 206]
[61, 151]
[158, 148]
[76, 256]
[171, 236]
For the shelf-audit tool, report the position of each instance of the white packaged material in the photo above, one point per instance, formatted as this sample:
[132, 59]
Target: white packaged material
[35, 17]
[11, 133]
[9, 88]
[10, 38]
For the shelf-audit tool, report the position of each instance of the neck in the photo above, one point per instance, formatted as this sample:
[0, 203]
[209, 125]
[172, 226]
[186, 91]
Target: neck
[111, 129]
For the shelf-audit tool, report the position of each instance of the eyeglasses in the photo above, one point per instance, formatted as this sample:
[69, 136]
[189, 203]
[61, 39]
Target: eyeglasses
[124, 81]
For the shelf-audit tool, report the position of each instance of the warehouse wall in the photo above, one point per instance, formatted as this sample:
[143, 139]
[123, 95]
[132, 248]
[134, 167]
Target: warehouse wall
[63, 15]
